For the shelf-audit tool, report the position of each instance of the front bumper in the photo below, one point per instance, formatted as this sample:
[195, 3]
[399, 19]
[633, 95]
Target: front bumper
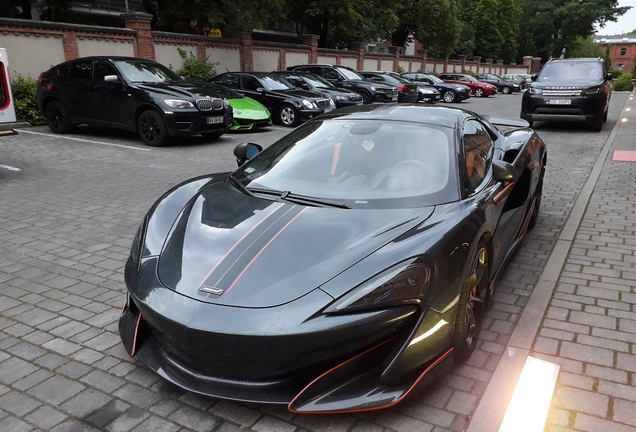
[284, 355]
[192, 122]
[579, 109]
[384, 97]
[308, 114]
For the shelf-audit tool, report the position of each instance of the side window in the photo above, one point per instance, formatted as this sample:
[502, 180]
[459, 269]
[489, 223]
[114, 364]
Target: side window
[101, 69]
[330, 74]
[462, 79]
[250, 83]
[229, 80]
[81, 70]
[477, 153]
[623, 51]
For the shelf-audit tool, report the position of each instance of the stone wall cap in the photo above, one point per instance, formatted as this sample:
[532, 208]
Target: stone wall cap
[136, 15]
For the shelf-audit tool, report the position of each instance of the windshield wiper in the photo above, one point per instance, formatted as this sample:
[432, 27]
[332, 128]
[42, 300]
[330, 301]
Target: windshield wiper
[299, 199]
[237, 184]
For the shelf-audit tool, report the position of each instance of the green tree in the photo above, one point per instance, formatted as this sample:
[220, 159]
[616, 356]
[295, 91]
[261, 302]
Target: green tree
[557, 23]
[434, 23]
[196, 69]
[488, 37]
[586, 47]
[508, 20]
[15, 9]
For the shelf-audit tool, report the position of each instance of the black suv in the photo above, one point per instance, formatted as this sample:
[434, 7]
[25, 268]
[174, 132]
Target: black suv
[130, 93]
[575, 89]
[347, 78]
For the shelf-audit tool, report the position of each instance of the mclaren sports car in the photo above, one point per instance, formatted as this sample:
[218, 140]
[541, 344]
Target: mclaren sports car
[340, 268]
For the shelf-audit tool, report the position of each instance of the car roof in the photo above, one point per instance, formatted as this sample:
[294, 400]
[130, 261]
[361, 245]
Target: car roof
[414, 113]
[578, 59]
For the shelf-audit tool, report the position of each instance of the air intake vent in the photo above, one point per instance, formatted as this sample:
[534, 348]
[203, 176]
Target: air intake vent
[568, 92]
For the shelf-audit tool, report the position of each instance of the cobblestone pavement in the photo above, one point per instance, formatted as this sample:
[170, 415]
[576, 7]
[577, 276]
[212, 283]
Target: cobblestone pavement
[66, 225]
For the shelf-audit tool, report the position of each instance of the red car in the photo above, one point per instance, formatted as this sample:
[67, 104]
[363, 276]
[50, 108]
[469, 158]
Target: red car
[478, 88]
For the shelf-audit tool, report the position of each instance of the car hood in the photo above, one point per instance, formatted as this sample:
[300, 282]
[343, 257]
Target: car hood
[248, 108]
[236, 250]
[179, 89]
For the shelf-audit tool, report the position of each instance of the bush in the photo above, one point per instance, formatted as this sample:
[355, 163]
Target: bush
[469, 72]
[615, 72]
[623, 83]
[26, 107]
[401, 70]
[196, 69]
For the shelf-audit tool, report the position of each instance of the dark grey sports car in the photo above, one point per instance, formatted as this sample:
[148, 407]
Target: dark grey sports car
[341, 267]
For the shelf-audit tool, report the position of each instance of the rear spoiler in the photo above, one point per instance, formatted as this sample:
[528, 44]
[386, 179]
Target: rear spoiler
[508, 121]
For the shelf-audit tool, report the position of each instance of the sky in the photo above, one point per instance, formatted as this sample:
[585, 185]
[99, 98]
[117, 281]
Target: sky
[625, 23]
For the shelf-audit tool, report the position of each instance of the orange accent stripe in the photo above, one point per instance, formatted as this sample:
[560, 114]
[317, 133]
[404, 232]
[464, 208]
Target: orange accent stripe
[124, 308]
[134, 345]
[237, 243]
[501, 194]
[263, 248]
[400, 399]
[336, 155]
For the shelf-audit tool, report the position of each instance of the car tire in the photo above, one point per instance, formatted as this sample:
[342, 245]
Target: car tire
[57, 118]
[506, 90]
[366, 97]
[472, 302]
[535, 212]
[449, 96]
[212, 135]
[479, 92]
[605, 116]
[152, 129]
[597, 125]
[288, 115]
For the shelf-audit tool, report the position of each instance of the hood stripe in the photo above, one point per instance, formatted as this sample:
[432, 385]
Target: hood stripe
[263, 248]
[279, 205]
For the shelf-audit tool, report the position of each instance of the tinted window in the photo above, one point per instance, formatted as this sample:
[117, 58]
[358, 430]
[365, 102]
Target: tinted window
[81, 70]
[477, 153]
[101, 69]
[4, 91]
[145, 71]
[564, 70]
[228, 80]
[251, 83]
[368, 164]
[330, 74]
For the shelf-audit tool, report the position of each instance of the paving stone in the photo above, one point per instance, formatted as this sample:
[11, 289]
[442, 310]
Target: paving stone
[46, 417]
[29, 381]
[55, 390]
[137, 396]
[588, 354]
[582, 401]
[194, 419]
[13, 369]
[624, 412]
[462, 403]
[594, 424]
[402, 423]
[108, 413]
[271, 424]
[14, 424]
[18, 403]
[236, 413]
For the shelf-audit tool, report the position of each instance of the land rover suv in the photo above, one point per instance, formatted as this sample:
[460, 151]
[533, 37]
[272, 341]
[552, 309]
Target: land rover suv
[576, 89]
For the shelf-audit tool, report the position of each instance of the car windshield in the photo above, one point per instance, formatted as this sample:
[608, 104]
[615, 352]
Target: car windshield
[435, 79]
[143, 71]
[317, 81]
[363, 163]
[349, 74]
[271, 82]
[224, 91]
[400, 78]
[571, 70]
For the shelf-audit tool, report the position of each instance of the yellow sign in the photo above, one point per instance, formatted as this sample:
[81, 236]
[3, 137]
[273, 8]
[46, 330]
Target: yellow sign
[215, 33]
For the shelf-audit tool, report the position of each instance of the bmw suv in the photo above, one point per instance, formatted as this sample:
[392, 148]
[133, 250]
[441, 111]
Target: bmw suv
[132, 94]
[576, 89]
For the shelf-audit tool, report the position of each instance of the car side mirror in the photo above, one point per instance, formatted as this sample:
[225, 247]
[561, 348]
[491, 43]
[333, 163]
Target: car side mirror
[246, 151]
[305, 86]
[111, 78]
[260, 89]
[534, 77]
[341, 78]
[503, 171]
[609, 76]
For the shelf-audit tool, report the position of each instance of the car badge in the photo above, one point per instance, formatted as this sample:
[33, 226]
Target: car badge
[211, 290]
[368, 145]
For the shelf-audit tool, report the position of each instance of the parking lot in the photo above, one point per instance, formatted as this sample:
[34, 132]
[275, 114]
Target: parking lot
[69, 208]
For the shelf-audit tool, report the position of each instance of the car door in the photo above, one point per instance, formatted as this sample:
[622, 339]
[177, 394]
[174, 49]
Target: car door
[111, 102]
[253, 88]
[74, 92]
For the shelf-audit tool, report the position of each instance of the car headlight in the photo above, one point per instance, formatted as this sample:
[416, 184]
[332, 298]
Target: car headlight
[178, 103]
[533, 90]
[238, 112]
[308, 104]
[407, 282]
[515, 85]
[332, 103]
[138, 243]
[593, 90]
[374, 88]
[226, 104]
[428, 91]
[342, 98]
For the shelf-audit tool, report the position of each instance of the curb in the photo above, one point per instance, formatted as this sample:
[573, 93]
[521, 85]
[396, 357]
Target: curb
[494, 402]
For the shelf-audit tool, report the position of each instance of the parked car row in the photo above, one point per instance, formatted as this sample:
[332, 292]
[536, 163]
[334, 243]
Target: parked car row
[146, 97]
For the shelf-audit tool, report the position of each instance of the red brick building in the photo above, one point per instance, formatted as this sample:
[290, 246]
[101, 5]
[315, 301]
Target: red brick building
[622, 50]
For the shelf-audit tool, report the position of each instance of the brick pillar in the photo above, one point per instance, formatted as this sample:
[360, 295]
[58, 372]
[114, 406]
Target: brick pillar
[527, 62]
[71, 51]
[477, 59]
[247, 60]
[536, 65]
[140, 22]
[445, 64]
[395, 51]
[201, 53]
[282, 59]
[500, 67]
[489, 65]
[311, 40]
[359, 48]
[462, 59]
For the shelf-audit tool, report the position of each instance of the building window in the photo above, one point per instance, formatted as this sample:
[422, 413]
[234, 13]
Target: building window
[620, 66]
[623, 51]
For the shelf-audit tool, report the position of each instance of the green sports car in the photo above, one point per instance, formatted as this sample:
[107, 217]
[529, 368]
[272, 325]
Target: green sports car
[248, 113]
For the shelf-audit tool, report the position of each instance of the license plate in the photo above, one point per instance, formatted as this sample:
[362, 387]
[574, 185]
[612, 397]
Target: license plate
[560, 101]
[394, 98]
[214, 120]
